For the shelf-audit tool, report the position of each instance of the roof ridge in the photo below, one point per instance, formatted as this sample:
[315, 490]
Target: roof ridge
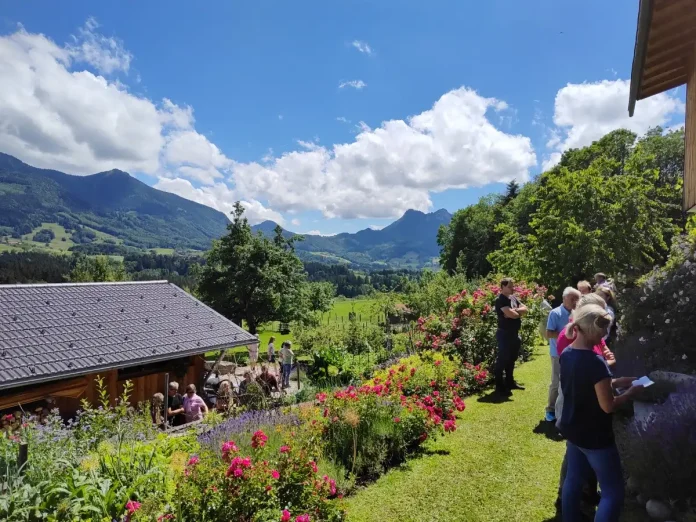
[110, 283]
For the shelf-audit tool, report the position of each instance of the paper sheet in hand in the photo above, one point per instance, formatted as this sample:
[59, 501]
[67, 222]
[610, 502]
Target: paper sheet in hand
[643, 381]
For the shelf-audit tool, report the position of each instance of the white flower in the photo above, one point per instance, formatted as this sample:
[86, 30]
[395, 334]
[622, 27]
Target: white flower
[667, 321]
[681, 292]
[643, 340]
[643, 299]
[674, 295]
[684, 357]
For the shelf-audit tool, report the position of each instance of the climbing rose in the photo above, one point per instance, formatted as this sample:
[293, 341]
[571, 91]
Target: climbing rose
[275, 474]
[285, 516]
[302, 518]
[450, 425]
[229, 447]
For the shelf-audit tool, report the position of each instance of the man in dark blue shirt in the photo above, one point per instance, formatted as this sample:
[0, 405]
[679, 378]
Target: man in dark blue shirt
[509, 311]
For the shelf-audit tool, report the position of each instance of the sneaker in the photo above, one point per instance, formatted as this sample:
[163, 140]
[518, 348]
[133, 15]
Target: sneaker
[549, 417]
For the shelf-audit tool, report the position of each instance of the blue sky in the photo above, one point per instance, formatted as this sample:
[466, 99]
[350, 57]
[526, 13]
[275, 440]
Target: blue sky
[250, 80]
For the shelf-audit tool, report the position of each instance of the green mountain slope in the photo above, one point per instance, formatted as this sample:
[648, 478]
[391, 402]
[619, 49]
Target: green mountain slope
[111, 202]
[409, 242]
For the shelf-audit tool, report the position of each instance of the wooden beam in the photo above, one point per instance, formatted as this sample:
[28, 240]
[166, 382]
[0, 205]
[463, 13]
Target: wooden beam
[665, 86]
[690, 137]
[642, 35]
[674, 63]
[73, 388]
[677, 24]
[666, 10]
[658, 79]
[682, 49]
[681, 37]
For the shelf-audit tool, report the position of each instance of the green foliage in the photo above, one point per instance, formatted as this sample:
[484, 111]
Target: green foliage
[249, 277]
[44, 236]
[430, 294]
[571, 221]
[97, 269]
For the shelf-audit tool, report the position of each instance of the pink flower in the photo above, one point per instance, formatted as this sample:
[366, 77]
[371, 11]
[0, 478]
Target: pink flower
[275, 474]
[438, 363]
[450, 425]
[285, 516]
[285, 449]
[258, 439]
[193, 461]
[321, 397]
[229, 447]
[397, 420]
[302, 518]
[132, 506]
[313, 465]
[238, 472]
[246, 462]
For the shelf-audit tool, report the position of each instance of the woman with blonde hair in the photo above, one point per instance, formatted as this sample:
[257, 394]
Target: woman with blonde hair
[586, 420]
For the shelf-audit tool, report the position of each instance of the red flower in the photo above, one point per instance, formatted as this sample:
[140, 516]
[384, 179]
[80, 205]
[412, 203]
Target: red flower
[275, 474]
[229, 447]
[302, 518]
[438, 363]
[450, 425]
[258, 439]
[285, 516]
[321, 397]
[397, 420]
[313, 465]
[193, 461]
[285, 449]
[423, 436]
[132, 506]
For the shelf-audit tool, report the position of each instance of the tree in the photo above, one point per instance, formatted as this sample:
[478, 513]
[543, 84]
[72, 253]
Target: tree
[251, 278]
[320, 296]
[97, 269]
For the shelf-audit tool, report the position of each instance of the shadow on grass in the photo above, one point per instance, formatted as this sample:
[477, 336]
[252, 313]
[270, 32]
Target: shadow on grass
[548, 430]
[494, 398]
[430, 452]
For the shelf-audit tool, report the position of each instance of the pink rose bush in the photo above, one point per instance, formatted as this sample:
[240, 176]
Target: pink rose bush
[467, 329]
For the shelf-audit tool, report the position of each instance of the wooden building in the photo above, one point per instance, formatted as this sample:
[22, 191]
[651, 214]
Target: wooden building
[56, 340]
[665, 58]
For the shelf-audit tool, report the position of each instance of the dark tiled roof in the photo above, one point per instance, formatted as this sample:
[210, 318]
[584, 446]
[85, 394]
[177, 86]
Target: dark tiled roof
[54, 331]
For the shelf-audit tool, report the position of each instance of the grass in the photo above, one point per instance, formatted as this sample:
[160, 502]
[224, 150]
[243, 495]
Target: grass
[495, 467]
[342, 307]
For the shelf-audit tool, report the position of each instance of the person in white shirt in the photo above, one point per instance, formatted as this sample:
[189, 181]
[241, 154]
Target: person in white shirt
[286, 355]
[253, 356]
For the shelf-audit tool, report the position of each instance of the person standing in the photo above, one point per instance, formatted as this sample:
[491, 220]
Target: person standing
[584, 287]
[556, 322]
[195, 407]
[286, 355]
[272, 353]
[509, 311]
[253, 350]
[586, 420]
[175, 406]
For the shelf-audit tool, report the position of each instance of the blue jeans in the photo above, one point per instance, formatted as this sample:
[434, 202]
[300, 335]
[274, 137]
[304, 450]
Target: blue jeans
[606, 463]
[286, 374]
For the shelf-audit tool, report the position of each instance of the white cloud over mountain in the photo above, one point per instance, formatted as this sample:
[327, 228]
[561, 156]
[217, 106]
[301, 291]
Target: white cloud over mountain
[64, 107]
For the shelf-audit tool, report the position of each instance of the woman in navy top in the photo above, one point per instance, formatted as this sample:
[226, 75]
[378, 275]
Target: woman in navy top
[586, 421]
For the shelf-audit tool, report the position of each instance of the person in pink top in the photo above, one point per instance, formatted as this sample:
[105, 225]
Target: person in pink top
[194, 406]
[562, 342]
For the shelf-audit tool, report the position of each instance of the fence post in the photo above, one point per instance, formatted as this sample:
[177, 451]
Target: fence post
[22, 456]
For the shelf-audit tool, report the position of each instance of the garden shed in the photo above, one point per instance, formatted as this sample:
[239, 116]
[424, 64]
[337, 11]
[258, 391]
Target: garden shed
[664, 58]
[56, 339]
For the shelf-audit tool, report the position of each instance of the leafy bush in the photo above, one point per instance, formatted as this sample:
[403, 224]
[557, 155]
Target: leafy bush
[44, 235]
[467, 329]
[656, 326]
[660, 454]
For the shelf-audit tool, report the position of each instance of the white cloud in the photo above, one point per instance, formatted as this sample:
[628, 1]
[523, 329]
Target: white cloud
[376, 227]
[391, 169]
[342, 119]
[355, 84]
[220, 197]
[296, 222]
[318, 233]
[363, 47]
[106, 55]
[585, 112]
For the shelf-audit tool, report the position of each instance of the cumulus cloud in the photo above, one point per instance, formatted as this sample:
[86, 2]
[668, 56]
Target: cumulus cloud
[296, 222]
[318, 233]
[363, 47]
[390, 169]
[106, 55]
[219, 196]
[355, 84]
[585, 112]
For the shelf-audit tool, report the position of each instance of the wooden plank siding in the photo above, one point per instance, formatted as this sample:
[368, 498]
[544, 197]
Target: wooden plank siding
[68, 393]
[690, 138]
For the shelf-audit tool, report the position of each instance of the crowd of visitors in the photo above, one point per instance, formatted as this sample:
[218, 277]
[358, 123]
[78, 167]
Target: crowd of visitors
[583, 392]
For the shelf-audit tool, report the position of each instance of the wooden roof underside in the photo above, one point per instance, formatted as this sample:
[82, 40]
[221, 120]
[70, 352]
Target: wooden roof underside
[665, 42]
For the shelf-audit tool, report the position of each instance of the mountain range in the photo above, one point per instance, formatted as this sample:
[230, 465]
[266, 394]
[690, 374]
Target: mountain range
[409, 242]
[117, 212]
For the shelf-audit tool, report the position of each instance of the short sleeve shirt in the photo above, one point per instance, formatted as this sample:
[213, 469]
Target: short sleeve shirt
[505, 323]
[583, 421]
[193, 408]
[271, 350]
[557, 321]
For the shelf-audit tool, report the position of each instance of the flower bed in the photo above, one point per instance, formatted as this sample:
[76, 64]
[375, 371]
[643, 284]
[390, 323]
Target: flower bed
[261, 466]
[468, 327]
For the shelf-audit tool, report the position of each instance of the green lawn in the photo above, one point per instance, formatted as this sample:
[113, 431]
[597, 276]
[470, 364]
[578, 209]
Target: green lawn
[342, 307]
[493, 468]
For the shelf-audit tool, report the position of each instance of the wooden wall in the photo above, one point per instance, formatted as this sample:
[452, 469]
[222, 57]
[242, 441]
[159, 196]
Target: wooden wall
[69, 392]
[690, 138]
